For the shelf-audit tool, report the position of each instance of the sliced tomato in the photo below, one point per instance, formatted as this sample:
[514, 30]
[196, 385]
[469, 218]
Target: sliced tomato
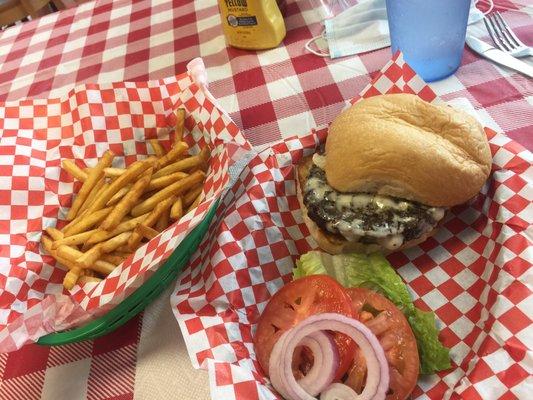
[295, 302]
[395, 335]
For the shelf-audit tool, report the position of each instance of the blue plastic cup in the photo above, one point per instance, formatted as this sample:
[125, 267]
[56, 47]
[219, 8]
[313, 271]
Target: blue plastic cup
[430, 34]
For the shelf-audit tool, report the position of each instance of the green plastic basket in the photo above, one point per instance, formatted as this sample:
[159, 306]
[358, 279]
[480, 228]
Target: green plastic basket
[139, 299]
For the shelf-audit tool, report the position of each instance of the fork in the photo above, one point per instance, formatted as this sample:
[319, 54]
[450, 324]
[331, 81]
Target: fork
[504, 38]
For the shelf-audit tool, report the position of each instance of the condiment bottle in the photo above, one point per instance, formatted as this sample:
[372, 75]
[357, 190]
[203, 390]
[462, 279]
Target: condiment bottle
[252, 24]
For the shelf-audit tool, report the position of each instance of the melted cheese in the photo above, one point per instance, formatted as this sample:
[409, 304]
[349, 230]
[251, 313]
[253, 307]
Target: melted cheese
[319, 161]
[388, 234]
[317, 187]
[343, 201]
[437, 213]
[392, 242]
[361, 200]
[385, 202]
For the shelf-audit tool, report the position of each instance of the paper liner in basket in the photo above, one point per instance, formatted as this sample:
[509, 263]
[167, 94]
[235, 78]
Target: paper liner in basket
[472, 273]
[90, 119]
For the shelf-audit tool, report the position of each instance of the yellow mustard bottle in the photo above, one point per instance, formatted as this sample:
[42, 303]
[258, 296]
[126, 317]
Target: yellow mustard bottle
[252, 24]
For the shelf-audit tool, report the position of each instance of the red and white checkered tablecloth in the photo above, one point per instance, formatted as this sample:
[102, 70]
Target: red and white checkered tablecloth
[270, 95]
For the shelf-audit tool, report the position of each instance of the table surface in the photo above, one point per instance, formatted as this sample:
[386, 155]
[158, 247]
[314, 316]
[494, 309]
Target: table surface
[270, 95]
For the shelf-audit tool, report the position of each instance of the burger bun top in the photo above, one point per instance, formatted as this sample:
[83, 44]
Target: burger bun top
[399, 145]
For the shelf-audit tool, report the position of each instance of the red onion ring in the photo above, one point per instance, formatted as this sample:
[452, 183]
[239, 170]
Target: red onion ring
[339, 391]
[280, 366]
[326, 362]
[324, 366]
[275, 369]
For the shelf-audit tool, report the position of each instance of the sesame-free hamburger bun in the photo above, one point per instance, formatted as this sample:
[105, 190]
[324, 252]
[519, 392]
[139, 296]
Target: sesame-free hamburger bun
[392, 166]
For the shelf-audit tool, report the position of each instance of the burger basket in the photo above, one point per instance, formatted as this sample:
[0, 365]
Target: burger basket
[473, 273]
[82, 125]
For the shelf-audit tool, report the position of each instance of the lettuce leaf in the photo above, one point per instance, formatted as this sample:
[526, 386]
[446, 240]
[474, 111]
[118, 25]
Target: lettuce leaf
[433, 355]
[309, 264]
[374, 272]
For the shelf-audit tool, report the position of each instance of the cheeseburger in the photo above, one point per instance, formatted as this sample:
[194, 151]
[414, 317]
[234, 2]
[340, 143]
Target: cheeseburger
[391, 167]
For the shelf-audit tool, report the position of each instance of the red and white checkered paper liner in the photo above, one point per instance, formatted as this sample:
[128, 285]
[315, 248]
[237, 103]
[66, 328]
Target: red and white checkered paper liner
[474, 273]
[38, 134]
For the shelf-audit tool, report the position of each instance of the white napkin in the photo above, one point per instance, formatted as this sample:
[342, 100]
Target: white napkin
[361, 28]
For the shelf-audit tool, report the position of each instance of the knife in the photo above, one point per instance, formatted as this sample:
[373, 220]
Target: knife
[498, 56]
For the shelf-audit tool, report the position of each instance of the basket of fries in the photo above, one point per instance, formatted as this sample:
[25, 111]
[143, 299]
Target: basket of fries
[116, 208]
[115, 211]
[128, 176]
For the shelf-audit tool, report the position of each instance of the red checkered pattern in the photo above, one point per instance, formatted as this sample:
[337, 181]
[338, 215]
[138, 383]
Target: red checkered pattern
[270, 95]
[473, 273]
[81, 126]
[273, 94]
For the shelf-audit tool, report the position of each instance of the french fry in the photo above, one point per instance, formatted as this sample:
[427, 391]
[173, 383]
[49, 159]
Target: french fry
[150, 220]
[132, 172]
[135, 239]
[205, 154]
[166, 180]
[74, 170]
[54, 233]
[176, 212]
[85, 279]
[147, 232]
[68, 253]
[80, 216]
[73, 270]
[73, 240]
[114, 243]
[191, 195]
[47, 245]
[120, 253]
[175, 189]
[156, 146]
[180, 123]
[162, 222]
[178, 149]
[156, 213]
[127, 202]
[94, 176]
[87, 221]
[92, 255]
[181, 165]
[46, 242]
[141, 231]
[125, 249]
[103, 267]
[97, 189]
[111, 172]
[118, 195]
[204, 164]
[71, 278]
[101, 235]
[195, 203]
[67, 256]
[113, 258]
